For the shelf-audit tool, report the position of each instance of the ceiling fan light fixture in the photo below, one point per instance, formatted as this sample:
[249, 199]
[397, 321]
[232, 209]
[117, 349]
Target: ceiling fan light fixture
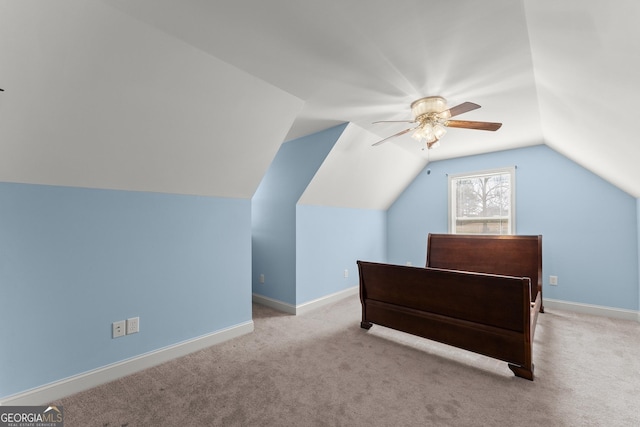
[439, 130]
[425, 131]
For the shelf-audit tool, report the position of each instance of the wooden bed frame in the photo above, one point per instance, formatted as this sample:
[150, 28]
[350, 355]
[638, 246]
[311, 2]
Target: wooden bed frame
[477, 292]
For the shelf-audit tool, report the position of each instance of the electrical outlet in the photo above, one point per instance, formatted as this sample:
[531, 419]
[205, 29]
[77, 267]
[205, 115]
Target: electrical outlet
[553, 280]
[346, 273]
[262, 278]
[118, 329]
[133, 325]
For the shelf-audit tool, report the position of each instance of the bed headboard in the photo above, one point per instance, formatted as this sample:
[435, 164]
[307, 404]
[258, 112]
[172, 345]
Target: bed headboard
[509, 255]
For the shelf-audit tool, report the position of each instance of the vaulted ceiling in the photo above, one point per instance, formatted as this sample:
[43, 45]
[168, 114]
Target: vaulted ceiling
[195, 96]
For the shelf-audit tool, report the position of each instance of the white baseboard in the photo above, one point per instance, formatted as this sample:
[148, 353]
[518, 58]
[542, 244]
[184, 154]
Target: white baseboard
[328, 299]
[304, 307]
[274, 303]
[597, 310]
[77, 383]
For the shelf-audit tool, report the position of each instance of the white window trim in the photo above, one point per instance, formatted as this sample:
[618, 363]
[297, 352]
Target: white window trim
[511, 170]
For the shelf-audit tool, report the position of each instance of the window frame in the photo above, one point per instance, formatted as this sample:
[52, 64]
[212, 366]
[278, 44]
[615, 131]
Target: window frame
[452, 178]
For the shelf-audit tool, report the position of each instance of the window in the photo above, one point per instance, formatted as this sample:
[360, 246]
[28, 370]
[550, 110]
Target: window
[482, 202]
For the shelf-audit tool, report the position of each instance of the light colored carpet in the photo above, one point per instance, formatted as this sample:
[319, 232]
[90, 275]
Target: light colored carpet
[322, 369]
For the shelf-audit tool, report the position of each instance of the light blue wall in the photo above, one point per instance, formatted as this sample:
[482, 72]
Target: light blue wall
[589, 227]
[72, 261]
[329, 241]
[273, 212]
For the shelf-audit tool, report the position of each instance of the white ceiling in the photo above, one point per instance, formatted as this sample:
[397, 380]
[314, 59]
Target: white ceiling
[196, 96]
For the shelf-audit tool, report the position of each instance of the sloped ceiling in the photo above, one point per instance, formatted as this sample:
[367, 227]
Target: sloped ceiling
[586, 59]
[93, 98]
[195, 96]
[352, 168]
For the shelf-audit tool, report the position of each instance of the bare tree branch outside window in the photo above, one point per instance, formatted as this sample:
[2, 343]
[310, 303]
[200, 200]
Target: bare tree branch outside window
[482, 203]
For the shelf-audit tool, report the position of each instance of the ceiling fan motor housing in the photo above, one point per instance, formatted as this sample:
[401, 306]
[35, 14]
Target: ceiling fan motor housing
[428, 105]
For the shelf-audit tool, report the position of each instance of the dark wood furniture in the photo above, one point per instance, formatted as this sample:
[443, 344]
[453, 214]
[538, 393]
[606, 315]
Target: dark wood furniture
[477, 292]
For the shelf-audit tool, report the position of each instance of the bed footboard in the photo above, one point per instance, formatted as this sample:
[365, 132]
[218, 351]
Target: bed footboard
[484, 313]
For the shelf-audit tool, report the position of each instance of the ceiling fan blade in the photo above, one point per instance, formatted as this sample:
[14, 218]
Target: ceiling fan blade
[402, 132]
[473, 125]
[462, 108]
[394, 121]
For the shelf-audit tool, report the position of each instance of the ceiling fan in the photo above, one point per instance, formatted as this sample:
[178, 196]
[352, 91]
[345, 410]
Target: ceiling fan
[432, 117]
